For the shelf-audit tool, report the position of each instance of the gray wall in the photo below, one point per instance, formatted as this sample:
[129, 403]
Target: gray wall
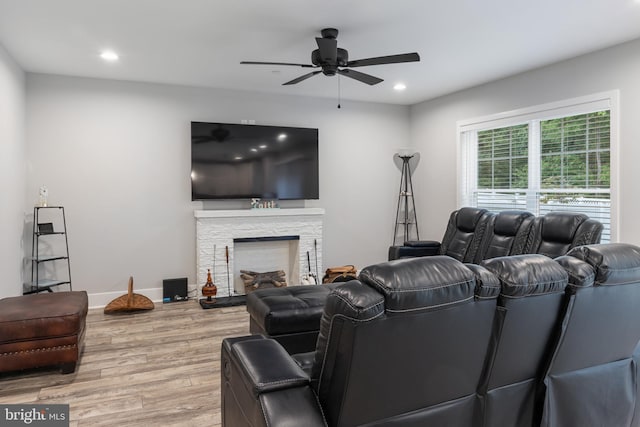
[433, 128]
[12, 173]
[117, 156]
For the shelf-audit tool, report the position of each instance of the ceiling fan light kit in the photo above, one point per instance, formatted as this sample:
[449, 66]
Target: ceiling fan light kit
[333, 60]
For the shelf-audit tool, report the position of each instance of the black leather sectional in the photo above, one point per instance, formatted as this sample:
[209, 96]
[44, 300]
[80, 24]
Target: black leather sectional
[519, 340]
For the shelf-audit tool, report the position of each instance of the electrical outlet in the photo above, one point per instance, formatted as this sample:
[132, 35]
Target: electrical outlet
[192, 291]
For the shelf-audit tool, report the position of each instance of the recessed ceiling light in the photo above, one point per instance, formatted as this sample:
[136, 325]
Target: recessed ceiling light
[237, 158]
[254, 150]
[282, 137]
[263, 146]
[109, 55]
[400, 86]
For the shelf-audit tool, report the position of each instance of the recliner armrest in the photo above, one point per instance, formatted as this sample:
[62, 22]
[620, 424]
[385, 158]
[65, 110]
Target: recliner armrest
[415, 248]
[263, 386]
[266, 366]
[422, 243]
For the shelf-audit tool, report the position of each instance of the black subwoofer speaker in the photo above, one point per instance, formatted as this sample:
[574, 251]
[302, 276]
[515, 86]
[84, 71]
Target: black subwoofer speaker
[174, 290]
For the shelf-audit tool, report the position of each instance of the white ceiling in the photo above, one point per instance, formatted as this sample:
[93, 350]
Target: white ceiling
[462, 43]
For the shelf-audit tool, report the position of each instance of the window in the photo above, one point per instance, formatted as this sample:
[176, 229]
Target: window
[542, 159]
[503, 158]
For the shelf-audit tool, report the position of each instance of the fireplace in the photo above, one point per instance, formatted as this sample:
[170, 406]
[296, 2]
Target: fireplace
[259, 240]
[257, 256]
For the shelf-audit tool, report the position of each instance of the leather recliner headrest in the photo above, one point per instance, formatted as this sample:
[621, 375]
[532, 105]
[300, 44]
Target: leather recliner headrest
[526, 275]
[507, 223]
[561, 227]
[467, 218]
[421, 283]
[614, 263]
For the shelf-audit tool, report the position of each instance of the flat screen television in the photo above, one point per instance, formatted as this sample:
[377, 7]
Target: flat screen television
[235, 161]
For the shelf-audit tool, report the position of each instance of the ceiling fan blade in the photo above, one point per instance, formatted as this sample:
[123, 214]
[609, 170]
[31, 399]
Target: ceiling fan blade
[301, 78]
[361, 77]
[380, 60]
[199, 139]
[328, 49]
[277, 63]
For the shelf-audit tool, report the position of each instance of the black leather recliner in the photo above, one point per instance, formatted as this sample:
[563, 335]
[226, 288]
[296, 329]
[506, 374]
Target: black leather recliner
[592, 376]
[398, 364]
[461, 240]
[556, 233]
[532, 290]
[384, 355]
[507, 234]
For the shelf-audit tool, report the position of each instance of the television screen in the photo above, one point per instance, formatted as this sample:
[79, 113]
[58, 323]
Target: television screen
[234, 161]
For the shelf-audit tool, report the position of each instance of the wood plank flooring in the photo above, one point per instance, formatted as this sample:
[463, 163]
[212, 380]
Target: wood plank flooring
[157, 367]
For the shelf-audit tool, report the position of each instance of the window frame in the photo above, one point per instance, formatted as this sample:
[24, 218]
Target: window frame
[466, 132]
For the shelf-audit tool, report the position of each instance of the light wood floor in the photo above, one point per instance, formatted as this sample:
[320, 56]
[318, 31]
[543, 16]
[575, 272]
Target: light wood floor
[158, 367]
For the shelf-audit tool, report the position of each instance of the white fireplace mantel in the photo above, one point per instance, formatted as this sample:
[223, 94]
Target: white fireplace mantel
[241, 213]
[218, 229]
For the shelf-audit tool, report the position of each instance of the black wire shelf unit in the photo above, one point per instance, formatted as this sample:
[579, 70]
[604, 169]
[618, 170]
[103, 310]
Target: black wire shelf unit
[42, 231]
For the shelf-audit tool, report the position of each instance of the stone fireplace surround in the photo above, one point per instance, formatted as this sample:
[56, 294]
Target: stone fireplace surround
[219, 228]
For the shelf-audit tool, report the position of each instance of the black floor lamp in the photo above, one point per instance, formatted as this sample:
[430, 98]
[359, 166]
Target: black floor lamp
[406, 219]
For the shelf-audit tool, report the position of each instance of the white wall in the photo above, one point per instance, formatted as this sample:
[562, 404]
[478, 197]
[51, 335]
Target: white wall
[117, 156]
[12, 173]
[433, 128]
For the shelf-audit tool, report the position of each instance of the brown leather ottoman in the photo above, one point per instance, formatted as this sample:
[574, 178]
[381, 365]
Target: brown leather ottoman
[44, 329]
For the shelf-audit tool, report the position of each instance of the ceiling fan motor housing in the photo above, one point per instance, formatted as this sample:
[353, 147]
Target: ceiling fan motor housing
[342, 58]
[329, 33]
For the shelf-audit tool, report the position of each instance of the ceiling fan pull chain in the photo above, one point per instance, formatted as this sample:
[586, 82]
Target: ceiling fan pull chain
[338, 90]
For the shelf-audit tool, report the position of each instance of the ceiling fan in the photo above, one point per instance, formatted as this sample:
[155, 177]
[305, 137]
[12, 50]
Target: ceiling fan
[333, 60]
[217, 134]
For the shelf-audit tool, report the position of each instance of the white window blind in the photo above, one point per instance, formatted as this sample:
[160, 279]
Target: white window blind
[546, 163]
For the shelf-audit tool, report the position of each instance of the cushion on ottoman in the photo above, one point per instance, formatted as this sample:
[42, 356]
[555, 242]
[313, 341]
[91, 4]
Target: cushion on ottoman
[286, 310]
[289, 314]
[42, 329]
